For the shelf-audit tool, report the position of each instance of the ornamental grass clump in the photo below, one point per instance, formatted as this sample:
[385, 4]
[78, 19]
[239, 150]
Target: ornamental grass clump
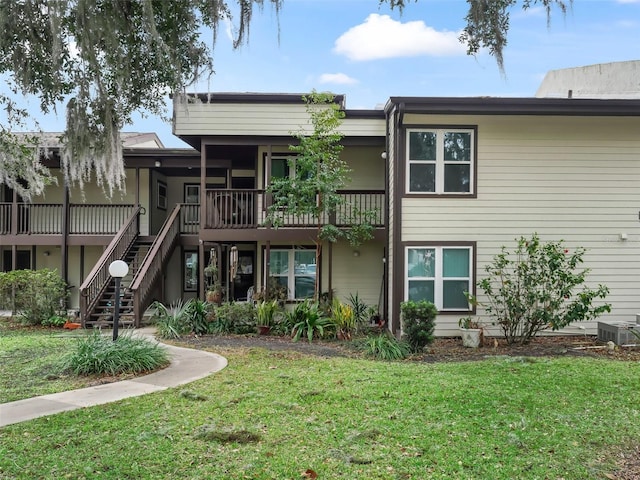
[98, 355]
[537, 286]
[385, 347]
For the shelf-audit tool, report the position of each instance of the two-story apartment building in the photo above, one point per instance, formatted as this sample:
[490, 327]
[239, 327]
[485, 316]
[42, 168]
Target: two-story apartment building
[452, 180]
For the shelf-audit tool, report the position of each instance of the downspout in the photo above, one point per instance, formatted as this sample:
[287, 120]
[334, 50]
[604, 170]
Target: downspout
[203, 213]
[64, 247]
[266, 203]
[398, 259]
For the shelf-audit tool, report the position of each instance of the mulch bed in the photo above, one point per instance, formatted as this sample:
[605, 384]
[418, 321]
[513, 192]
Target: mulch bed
[441, 350]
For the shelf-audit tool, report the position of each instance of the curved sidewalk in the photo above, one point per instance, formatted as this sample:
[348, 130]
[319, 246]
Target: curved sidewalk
[187, 365]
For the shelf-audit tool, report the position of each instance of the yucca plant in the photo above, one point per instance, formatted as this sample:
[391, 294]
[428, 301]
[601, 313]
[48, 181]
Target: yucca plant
[171, 322]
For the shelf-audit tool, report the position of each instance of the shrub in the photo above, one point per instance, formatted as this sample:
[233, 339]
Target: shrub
[237, 318]
[54, 321]
[418, 323]
[276, 291]
[535, 288]
[34, 295]
[386, 347]
[98, 355]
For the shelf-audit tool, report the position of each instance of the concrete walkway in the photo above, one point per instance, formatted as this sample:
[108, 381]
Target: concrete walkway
[187, 365]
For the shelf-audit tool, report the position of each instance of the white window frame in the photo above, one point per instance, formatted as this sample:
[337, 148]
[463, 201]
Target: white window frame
[438, 279]
[440, 161]
[291, 274]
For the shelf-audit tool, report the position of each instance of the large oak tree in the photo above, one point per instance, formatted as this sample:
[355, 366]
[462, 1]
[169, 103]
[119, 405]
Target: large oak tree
[103, 60]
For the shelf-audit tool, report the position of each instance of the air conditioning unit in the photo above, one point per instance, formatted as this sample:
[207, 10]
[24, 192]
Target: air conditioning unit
[620, 333]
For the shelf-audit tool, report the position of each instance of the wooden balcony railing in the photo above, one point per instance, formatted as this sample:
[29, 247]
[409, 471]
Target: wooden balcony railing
[5, 218]
[152, 265]
[95, 219]
[247, 209]
[99, 278]
[189, 218]
[231, 208]
[48, 218]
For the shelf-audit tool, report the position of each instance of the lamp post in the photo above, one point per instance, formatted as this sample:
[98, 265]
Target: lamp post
[117, 269]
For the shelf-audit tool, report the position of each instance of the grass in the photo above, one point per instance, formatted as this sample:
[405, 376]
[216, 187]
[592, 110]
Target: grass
[30, 363]
[40, 361]
[282, 415]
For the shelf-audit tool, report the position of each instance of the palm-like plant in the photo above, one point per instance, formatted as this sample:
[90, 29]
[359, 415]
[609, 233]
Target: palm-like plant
[307, 320]
[171, 322]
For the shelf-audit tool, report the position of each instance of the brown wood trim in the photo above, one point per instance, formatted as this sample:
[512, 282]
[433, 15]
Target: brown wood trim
[448, 243]
[404, 160]
[271, 234]
[516, 106]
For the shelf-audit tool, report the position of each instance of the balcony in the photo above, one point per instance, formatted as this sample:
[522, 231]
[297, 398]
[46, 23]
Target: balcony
[48, 218]
[243, 209]
[225, 209]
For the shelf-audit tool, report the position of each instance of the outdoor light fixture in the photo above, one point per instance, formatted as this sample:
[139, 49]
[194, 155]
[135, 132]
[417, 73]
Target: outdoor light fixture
[117, 269]
[157, 163]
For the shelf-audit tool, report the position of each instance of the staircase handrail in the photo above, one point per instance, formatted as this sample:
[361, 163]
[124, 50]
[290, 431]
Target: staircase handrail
[98, 279]
[153, 262]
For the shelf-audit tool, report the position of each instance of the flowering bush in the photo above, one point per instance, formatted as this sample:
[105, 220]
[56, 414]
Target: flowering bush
[534, 288]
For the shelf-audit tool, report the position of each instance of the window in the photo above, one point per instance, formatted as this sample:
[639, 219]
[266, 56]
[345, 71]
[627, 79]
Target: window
[440, 275]
[162, 195]
[191, 272]
[191, 197]
[440, 161]
[284, 167]
[280, 167]
[295, 270]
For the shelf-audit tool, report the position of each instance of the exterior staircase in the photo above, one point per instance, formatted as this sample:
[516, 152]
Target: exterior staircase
[146, 261]
[102, 314]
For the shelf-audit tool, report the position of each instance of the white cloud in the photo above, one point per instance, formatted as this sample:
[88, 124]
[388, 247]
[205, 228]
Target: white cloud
[337, 78]
[382, 37]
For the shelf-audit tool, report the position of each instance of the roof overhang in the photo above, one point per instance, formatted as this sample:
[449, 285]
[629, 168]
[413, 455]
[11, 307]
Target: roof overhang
[515, 106]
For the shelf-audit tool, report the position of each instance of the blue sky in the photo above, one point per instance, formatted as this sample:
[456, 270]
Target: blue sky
[369, 53]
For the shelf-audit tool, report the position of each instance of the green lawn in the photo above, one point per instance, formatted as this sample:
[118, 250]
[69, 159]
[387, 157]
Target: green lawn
[275, 415]
[30, 362]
